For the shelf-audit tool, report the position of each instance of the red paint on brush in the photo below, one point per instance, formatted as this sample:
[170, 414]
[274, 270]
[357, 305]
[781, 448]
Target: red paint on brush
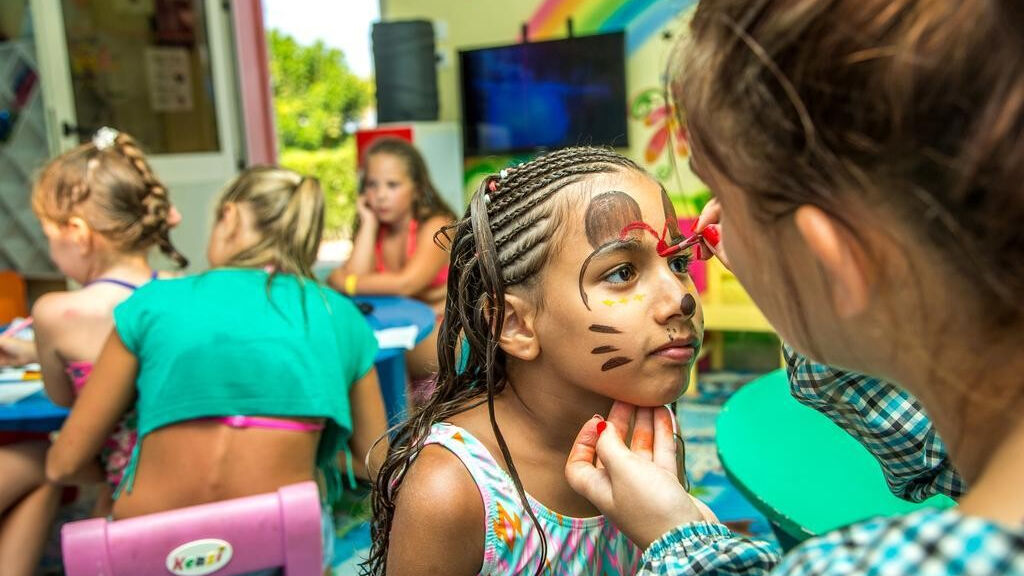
[680, 246]
[664, 249]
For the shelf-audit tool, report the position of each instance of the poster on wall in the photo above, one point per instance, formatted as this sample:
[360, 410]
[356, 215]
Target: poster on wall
[169, 74]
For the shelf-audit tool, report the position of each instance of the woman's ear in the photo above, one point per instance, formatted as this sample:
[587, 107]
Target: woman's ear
[839, 256]
[518, 337]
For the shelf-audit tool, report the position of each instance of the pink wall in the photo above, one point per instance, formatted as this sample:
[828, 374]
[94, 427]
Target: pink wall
[254, 82]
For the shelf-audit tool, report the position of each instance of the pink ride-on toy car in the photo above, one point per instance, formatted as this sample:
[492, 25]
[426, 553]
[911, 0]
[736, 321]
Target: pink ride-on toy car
[279, 529]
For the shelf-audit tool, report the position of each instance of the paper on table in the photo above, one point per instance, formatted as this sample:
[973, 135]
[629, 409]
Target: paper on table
[29, 372]
[401, 337]
[11, 393]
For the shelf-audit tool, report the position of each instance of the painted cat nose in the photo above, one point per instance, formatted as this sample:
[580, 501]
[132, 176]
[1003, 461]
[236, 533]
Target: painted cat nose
[688, 306]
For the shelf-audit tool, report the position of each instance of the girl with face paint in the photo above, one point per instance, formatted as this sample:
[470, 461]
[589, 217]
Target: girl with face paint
[566, 293]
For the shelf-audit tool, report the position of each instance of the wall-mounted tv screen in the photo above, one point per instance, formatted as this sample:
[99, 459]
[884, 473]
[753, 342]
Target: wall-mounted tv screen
[537, 95]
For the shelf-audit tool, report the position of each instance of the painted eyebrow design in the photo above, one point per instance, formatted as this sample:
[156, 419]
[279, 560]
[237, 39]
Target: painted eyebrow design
[629, 244]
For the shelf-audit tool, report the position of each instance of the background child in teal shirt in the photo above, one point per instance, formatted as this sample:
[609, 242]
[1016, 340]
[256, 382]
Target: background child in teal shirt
[246, 378]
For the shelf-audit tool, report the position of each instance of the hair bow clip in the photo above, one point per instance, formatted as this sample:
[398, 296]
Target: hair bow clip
[105, 138]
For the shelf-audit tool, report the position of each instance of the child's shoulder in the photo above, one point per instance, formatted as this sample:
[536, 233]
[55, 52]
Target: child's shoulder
[441, 505]
[52, 306]
[440, 476]
[59, 307]
[431, 224]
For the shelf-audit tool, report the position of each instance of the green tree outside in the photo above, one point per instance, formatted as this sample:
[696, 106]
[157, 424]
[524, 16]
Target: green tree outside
[315, 97]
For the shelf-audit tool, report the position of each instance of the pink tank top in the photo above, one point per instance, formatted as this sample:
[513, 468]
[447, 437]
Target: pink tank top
[117, 449]
[442, 277]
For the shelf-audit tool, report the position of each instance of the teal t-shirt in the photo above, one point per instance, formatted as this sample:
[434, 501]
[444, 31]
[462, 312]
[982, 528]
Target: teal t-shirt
[226, 343]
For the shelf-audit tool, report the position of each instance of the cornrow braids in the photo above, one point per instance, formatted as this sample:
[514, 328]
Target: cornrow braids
[156, 206]
[503, 240]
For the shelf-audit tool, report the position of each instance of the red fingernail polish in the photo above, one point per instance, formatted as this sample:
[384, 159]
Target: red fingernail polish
[693, 227]
[601, 426]
[711, 235]
[697, 252]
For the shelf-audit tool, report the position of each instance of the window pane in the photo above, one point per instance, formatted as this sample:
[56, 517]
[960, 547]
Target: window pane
[143, 66]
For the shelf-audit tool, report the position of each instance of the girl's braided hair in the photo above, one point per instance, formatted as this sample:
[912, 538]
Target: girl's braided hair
[113, 188]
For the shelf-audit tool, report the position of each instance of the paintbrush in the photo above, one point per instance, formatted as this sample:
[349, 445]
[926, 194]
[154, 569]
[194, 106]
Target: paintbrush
[680, 246]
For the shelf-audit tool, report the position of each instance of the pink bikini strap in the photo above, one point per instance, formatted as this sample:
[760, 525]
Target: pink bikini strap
[270, 423]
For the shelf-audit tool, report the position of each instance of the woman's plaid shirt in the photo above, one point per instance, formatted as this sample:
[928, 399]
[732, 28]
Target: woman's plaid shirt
[892, 426]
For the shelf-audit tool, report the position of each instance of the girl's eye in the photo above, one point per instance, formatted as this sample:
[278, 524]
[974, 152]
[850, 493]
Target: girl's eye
[621, 275]
[679, 264]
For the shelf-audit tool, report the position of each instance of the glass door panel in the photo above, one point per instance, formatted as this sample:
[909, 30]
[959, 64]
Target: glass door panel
[143, 66]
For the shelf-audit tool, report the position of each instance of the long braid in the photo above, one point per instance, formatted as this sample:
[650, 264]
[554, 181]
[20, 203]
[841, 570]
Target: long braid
[503, 240]
[156, 206]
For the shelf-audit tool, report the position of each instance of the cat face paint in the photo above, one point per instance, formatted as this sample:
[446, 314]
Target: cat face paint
[618, 349]
[611, 220]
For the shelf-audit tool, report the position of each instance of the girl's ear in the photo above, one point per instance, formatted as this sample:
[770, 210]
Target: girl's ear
[839, 256]
[518, 338]
[230, 219]
[80, 233]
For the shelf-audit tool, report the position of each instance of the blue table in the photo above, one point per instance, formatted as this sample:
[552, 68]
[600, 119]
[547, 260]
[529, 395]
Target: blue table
[393, 312]
[37, 414]
[33, 414]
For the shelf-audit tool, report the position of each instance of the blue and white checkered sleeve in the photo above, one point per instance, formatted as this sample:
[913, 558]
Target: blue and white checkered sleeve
[926, 542]
[887, 420]
[707, 548]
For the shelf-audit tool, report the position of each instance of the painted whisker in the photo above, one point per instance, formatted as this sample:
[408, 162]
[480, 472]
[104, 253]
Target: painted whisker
[615, 363]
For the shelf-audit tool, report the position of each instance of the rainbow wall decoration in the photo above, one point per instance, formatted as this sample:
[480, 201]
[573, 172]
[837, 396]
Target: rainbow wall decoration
[641, 19]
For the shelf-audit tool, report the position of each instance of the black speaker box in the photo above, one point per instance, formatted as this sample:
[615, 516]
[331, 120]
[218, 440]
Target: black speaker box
[405, 69]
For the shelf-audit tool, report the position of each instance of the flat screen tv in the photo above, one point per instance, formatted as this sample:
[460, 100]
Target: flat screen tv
[538, 95]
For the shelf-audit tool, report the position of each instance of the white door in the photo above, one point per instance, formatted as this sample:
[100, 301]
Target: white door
[161, 70]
